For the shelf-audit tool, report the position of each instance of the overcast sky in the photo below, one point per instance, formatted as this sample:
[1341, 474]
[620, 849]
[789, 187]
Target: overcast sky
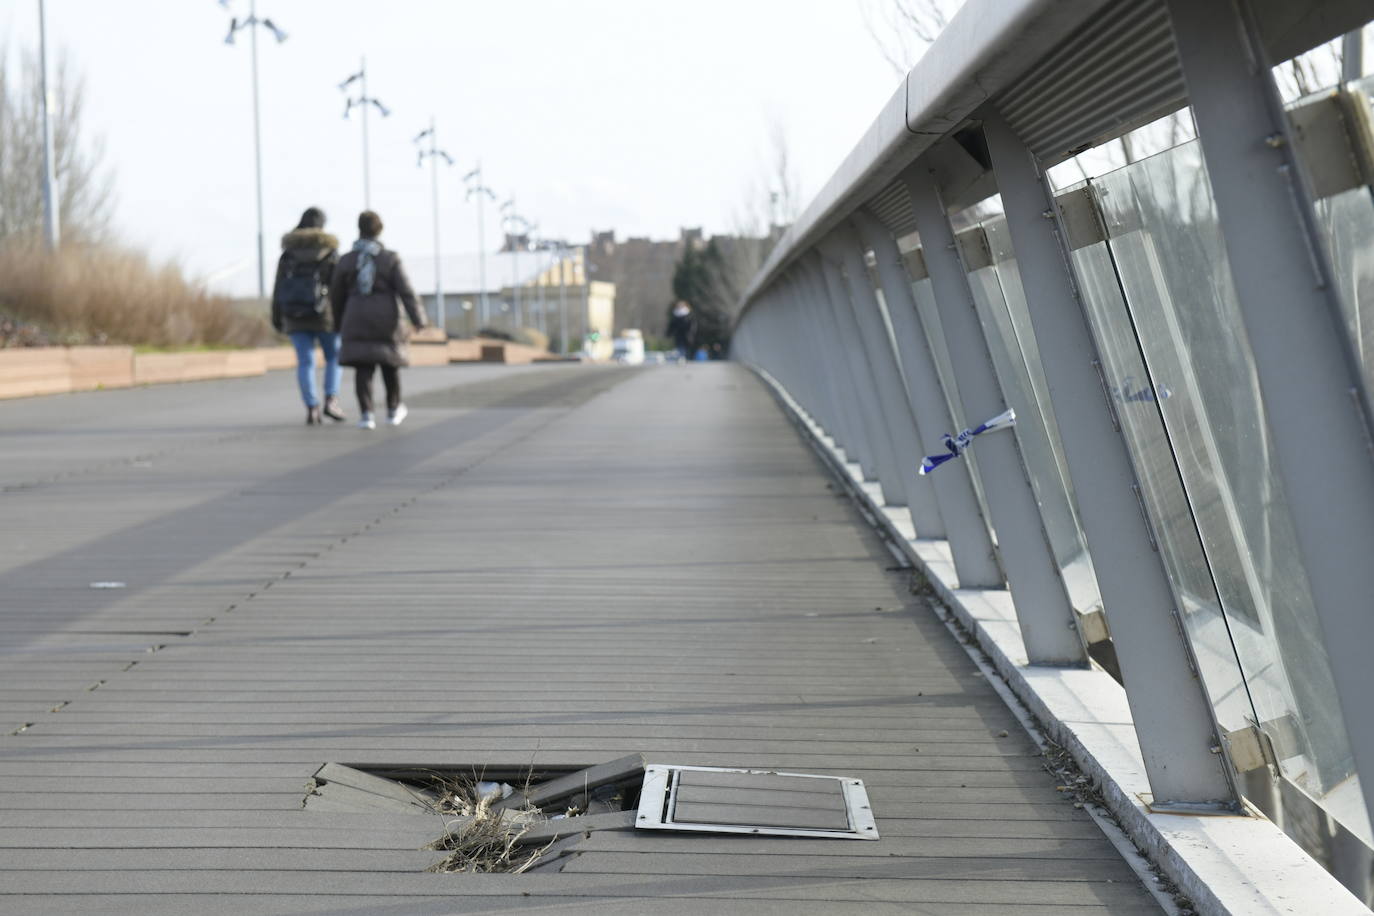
[637, 115]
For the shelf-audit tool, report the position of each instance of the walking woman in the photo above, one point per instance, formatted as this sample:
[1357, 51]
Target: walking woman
[300, 308]
[682, 328]
[368, 291]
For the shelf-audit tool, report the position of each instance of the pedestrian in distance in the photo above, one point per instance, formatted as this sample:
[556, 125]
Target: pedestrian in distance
[682, 328]
[301, 309]
[369, 290]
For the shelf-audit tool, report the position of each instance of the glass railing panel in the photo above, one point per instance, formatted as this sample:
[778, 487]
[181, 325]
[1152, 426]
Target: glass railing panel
[1067, 535]
[1347, 223]
[1135, 398]
[1170, 259]
[1016, 360]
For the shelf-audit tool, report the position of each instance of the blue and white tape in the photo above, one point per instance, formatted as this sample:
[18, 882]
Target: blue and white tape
[957, 445]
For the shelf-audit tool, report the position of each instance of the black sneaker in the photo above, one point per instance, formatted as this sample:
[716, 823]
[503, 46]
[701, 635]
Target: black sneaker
[312, 416]
[332, 410]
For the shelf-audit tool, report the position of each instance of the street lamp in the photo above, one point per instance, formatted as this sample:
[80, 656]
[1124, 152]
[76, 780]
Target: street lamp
[546, 261]
[434, 154]
[514, 221]
[475, 185]
[51, 229]
[524, 230]
[363, 101]
[540, 321]
[251, 23]
[563, 296]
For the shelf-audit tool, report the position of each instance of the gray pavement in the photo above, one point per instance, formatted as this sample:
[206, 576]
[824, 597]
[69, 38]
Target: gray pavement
[545, 566]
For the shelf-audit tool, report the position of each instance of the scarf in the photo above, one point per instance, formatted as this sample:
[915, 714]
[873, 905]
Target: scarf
[367, 269]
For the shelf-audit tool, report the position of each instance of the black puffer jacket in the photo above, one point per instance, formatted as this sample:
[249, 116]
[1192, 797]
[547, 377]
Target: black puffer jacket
[370, 324]
[683, 330]
[301, 248]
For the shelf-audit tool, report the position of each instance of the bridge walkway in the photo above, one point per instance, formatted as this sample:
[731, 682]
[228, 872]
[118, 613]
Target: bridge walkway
[544, 567]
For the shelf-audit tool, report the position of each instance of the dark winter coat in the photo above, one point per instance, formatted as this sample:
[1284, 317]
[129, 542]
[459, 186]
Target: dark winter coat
[371, 325]
[303, 247]
[683, 330]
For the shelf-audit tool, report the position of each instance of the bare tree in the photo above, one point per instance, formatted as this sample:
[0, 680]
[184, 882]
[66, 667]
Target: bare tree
[714, 274]
[903, 29]
[1311, 71]
[784, 186]
[771, 206]
[84, 188]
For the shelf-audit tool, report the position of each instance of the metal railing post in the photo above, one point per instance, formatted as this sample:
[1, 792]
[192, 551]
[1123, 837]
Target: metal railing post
[849, 374]
[1044, 612]
[789, 334]
[970, 542]
[848, 424]
[844, 245]
[1174, 719]
[855, 355]
[819, 376]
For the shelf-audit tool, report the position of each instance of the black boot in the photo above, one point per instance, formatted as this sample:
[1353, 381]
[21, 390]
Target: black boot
[332, 409]
[312, 416]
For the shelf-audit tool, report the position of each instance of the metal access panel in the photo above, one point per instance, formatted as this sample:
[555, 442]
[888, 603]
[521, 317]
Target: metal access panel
[720, 800]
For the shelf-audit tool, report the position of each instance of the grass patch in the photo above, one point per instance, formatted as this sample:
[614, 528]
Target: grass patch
[101, 294]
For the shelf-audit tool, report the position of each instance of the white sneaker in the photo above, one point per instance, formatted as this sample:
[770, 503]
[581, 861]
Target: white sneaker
[367, 422]
[396, 416]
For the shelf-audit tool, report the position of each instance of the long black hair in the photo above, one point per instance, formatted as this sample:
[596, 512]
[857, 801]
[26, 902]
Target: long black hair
[312, 218]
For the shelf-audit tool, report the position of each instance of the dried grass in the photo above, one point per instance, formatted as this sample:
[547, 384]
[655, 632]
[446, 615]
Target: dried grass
[101, 294]
[481, 840]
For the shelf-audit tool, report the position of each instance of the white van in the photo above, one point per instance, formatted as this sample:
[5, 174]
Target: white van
[629, 348]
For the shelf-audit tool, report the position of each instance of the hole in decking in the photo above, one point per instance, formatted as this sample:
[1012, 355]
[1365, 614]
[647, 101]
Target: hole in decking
[498, 819]
[513, 819]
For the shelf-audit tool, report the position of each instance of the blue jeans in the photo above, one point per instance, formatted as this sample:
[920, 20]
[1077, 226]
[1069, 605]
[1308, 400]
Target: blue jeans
[304, 342]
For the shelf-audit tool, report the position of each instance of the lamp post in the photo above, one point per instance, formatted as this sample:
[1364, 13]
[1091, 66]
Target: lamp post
[363, 101]
[543, 306]
[51, 229]
[507, 210]
[434, 154]
[587, 270]
[514, 221]
[251, 23]
[526, 233]
[476, 186]
[562, 297]
[536, 304]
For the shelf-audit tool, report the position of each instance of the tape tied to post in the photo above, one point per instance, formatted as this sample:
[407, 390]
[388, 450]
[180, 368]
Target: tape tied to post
[957, 445]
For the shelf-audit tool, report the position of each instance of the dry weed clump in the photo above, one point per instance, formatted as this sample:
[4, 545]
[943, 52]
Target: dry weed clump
[480, 840]
[100, 294]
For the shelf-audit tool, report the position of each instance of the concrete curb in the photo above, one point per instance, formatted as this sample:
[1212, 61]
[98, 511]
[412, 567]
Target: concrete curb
[30, 371]
[1226, 865]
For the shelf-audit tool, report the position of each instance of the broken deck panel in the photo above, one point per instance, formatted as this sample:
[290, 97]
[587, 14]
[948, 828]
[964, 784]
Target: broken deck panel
[545, 567]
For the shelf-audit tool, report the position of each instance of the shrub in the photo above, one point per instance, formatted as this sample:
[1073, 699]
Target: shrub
[531, 337]
[99, 294]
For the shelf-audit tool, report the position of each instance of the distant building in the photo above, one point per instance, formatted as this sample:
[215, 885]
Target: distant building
[609, 285]
[642, 271]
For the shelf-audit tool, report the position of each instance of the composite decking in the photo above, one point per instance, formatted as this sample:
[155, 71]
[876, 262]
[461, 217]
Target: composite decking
[548, 566]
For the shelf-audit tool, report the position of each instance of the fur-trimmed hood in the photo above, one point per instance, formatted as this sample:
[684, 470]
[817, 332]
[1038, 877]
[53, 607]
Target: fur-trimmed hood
[310, 239]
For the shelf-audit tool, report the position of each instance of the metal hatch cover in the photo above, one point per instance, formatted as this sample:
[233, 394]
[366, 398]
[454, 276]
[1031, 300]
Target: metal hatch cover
[760, 802]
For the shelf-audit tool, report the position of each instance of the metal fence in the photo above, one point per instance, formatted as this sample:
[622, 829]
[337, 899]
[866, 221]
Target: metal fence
[1186, 344]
